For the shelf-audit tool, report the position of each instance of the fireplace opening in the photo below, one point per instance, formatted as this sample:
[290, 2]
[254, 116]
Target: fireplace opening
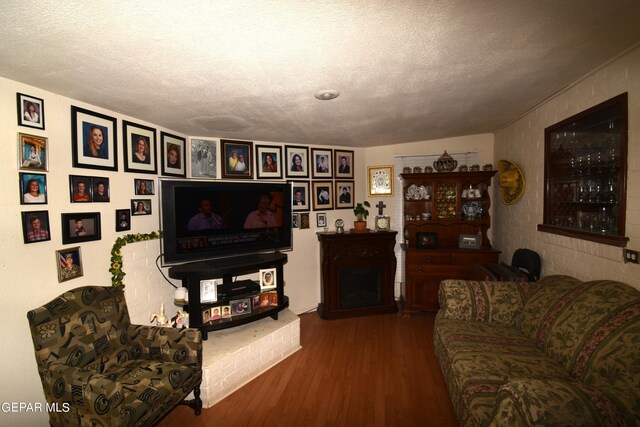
[360, 287]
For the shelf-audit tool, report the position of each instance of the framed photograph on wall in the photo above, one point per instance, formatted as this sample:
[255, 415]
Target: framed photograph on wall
[380, 180]
[69, 264]
[93, 140]
[297, 161]
[33, 188]
[321, 219]
[123, 219]
[203, 158]
[322, 163]
[343, 163]
[300, 197]
[80, 189]
[141, 207]
[35, 226]
[33, 152]
[304, 220]
[100, 189]
[30, 111]
[322, 195]
[80, 227]
[173, 149]
[143, 187]
[269, 161]
[294, 220]
[344, 194]
[140, 148]
[236, 159]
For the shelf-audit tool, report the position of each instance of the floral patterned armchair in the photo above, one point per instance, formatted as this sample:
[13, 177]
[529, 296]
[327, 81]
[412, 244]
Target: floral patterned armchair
[103, 371]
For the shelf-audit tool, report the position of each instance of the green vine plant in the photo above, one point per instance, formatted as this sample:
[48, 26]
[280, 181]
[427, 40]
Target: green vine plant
[117, 274]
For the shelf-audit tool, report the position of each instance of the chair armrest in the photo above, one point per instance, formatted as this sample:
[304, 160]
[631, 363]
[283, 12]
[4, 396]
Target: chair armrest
[487, 302]
[534, 402]
[166, 344]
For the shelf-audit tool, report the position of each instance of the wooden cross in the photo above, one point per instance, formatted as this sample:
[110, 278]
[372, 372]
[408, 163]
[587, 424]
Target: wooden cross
[380, 206]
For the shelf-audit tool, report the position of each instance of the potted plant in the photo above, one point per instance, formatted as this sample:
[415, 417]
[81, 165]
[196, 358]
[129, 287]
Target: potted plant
[361, 213]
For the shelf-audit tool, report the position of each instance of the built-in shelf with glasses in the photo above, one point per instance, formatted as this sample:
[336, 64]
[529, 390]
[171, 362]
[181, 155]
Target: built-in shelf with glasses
[585, 174]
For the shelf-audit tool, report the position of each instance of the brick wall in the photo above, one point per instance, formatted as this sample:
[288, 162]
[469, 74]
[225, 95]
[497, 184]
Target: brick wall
[522, 141]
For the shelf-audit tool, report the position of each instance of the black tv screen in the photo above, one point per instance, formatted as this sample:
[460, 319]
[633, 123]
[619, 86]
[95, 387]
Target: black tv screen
[211, 219]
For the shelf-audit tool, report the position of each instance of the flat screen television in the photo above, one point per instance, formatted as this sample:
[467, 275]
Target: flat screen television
[213, 219]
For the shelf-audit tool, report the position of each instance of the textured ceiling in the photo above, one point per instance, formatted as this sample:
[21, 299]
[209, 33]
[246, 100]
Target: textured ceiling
[406, 70]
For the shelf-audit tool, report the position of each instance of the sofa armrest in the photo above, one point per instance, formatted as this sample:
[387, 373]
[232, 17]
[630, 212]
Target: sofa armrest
[538, 402]
[166, 344]
[488, 302]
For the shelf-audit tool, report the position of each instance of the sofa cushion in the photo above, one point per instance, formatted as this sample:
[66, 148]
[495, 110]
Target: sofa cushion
[478, 358]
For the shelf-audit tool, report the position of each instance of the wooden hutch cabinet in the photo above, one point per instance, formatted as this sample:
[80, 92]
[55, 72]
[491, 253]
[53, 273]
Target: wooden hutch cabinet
[443, 211]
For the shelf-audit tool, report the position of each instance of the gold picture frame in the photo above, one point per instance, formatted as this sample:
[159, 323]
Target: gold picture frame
[380, 180]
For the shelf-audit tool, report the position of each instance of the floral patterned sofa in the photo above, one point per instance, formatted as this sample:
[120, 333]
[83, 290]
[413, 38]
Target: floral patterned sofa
[557, 352]
[100, 370]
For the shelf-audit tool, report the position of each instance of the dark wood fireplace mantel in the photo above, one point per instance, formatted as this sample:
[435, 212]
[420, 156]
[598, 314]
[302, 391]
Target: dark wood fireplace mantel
[358, 273]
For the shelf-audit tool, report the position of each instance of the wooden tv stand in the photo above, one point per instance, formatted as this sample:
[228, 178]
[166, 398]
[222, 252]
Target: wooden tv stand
[226, 268]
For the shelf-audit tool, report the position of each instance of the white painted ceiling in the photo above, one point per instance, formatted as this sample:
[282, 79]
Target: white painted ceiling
[406, 70]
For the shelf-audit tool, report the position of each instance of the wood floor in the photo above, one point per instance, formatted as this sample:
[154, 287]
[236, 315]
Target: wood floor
[366, 371]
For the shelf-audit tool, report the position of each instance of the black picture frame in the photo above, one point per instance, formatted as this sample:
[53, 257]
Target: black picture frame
[80, 189]
[427, 240]
[25, 117]
[294, 168]
[123, 219]
[232, 153]
[26, 180]
[302, 203]
[132, 135]
[343, 170]
[136, 209]
[144, 187]
[80, 227]
[321, 163]
[33, 152]
[100, 195]
[70, 271]
[203, 159]
[32, 234]
[469, 241]
[173, 149]
[86, 126]
[266, 169]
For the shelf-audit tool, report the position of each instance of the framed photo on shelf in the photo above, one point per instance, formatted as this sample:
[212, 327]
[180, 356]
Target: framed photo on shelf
[269, 161]
[268, 279]
[100, 189]
[33, 152]
[322, 161]
[203, 158]
[240, 306]
[30, 111]
[208, 291]
[141, 207]
[300, 198]
[80, 189]
[469, 241]
[236, 159]
[33, 188]
[69, 264]
[344, 194]
[321, 219]
[343, 163]
[297, 161]
[93, 140]
[380, 180]
[427, 240]
[123, 219]
[140, 148]
[35, 226]
[322, 195]
[80, 227]
[173, 149]
[143, 187]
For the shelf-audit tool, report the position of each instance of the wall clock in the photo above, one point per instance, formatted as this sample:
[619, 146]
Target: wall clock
[380, 180]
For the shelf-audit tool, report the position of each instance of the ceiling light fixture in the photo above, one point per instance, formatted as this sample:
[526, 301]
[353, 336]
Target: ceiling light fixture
[327, 95]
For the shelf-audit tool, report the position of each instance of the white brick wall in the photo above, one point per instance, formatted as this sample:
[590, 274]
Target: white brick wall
[523, 142]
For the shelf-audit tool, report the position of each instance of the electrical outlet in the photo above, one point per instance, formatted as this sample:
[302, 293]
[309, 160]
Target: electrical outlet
[631, 256]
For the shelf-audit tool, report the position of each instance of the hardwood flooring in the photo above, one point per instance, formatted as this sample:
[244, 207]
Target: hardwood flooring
[364, 371]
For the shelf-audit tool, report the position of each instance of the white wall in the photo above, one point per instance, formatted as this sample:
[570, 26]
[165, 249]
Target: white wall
[523, 142]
